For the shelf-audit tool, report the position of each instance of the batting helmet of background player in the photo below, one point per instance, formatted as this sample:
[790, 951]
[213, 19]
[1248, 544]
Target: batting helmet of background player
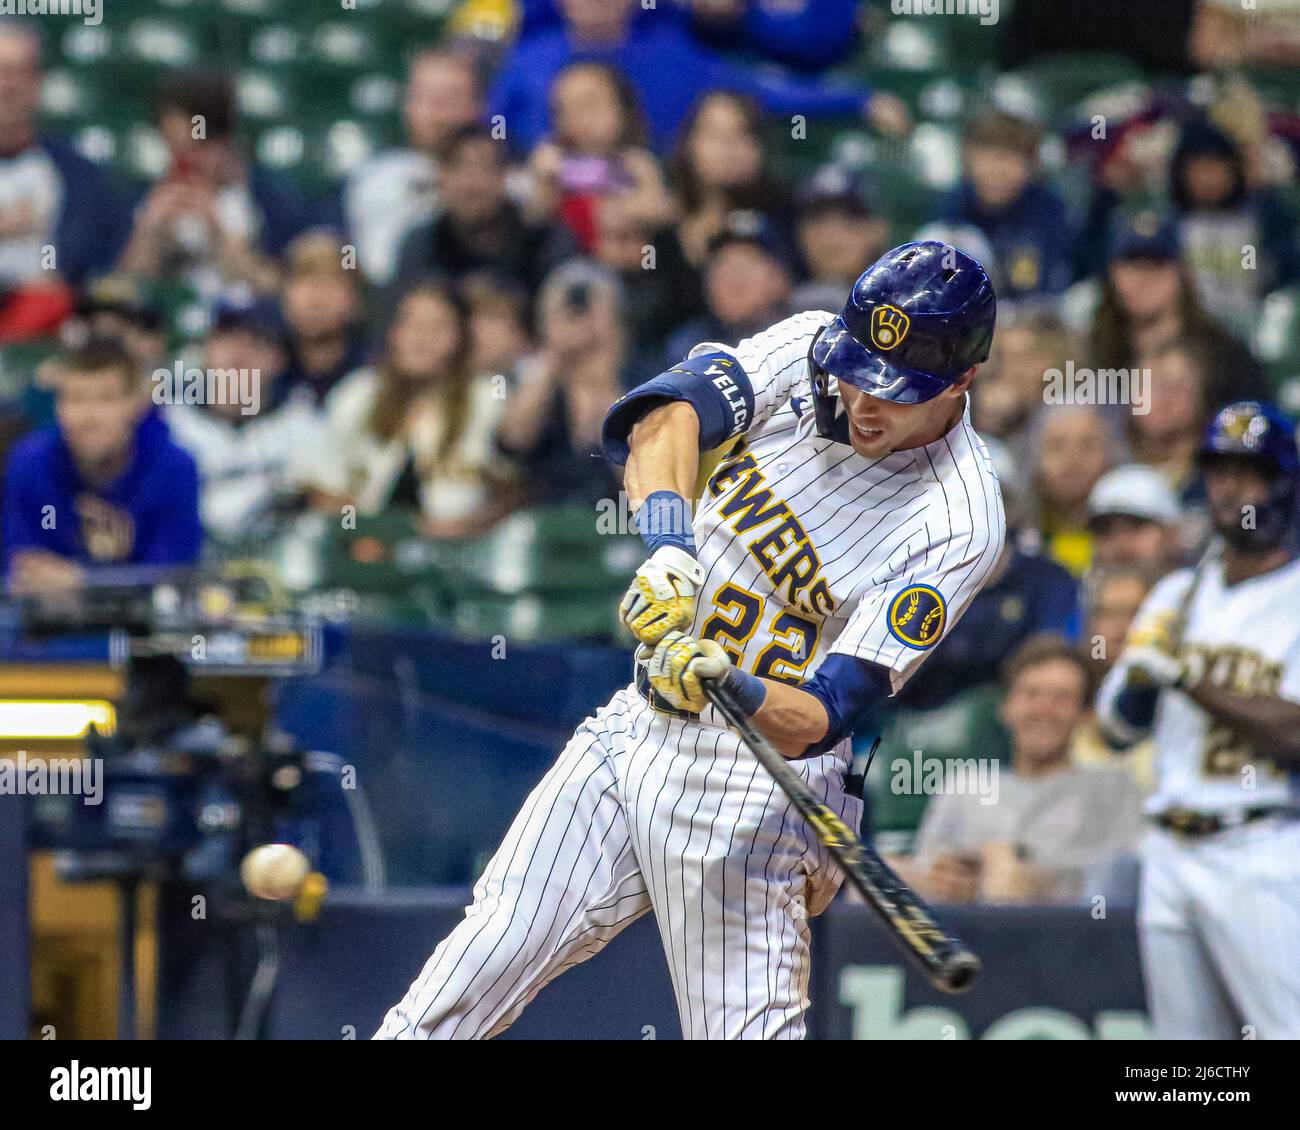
[919, 317]
[1259, 433]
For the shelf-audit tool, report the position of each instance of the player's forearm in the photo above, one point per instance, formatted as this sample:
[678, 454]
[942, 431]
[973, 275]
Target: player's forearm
[664, 453]
[1269, 723]
[791, 719]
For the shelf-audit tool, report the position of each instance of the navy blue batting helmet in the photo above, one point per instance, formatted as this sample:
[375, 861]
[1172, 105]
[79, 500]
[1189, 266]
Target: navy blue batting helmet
[919, 317]
[1259, 432]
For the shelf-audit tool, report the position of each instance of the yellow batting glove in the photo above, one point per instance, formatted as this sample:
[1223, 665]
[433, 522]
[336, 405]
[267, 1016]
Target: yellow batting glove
[679, 663]
[661, 598]
[1154, 633]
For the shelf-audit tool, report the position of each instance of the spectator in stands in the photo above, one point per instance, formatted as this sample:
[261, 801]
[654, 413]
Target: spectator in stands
[808, 34]
[551, 427]
[1166, 438]
[1074, 446]
[1229, 34]
[120, 307]
[398, 189]
[498, 313]
[661, 288]
[839, 236]
[415, 431]
[479, 227]
[1114, 595]
[1219, 218]
[669, 70]
[102, 486]
[748, 281]
[321, 311]
[1052, 823]
[1012, 388]
[1148, 300]
[597, 151]
[1025, 594]
[251, 455]
[59, 220]
[1005, 195]
[213, 219]
[1133, 517]
[721, 166]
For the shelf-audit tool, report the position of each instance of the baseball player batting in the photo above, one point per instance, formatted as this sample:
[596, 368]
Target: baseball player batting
[1211, 669]
[850, 522]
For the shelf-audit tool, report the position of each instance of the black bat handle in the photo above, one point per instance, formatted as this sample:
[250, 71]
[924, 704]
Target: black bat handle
[946, 961]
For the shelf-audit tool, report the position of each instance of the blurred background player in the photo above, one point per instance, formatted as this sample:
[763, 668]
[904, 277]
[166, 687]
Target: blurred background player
[1211, 669]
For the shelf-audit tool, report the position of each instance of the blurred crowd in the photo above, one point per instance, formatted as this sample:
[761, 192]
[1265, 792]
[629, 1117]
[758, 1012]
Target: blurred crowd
[573, 208]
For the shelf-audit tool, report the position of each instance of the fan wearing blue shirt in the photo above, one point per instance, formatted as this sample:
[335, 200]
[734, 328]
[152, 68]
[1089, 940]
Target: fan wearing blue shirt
[668, 68]
[102, 486]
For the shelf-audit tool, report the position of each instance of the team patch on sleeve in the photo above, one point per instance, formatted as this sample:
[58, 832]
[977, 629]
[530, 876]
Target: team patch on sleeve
[917, 616]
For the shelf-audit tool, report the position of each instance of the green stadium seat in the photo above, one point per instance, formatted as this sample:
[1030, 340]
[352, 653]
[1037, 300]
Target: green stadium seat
[165, 43]
[965, 727]
[913, 45]
[1061, 81]
[541, 574]
[384, 552]
[555, 550]
[18, 364]
[265, 96]
[535, 618]
[1277, 342]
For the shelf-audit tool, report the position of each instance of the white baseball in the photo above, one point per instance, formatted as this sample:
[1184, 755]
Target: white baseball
[274, 871]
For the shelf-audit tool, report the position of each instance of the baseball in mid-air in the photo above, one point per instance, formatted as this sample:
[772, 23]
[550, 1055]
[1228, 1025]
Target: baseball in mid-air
[274, 871]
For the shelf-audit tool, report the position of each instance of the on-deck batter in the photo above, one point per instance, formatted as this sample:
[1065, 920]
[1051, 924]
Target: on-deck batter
[854, 516]
[1212, 669]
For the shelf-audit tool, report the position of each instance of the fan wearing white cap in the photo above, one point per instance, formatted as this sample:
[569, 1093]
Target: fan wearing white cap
[1133, 517]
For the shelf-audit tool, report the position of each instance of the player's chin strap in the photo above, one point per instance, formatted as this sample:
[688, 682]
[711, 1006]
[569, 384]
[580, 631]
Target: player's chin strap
[831, 421]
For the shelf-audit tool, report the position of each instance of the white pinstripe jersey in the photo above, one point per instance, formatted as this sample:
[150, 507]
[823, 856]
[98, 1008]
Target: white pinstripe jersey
[810, 548]
[1245, 637]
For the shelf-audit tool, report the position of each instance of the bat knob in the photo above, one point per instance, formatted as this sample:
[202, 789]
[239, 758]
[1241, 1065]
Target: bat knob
[959, 972]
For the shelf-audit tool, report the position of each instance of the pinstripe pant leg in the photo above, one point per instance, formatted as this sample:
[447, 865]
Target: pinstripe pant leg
[734, 878]
[563, 883]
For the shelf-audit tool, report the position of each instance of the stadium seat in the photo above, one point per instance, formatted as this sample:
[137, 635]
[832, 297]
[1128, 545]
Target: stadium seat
[553, 550]
[541, 574]
[385, 554]
[966, 727]
[1277, 341]
[1062, 81]
[536, 618]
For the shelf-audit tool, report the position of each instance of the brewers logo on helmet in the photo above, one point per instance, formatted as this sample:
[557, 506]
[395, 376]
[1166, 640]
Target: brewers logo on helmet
[917, 319]
[1261, 434]
[889, 326]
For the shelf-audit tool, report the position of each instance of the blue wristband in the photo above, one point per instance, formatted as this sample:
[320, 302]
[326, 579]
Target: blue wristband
[748, 690]
[665, 519]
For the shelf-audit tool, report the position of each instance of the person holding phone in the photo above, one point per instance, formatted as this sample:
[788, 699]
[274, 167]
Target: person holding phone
[552, 430]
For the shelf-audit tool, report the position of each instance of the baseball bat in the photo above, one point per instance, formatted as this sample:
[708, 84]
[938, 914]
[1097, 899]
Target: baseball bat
[945, 960]
[1178, 628]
